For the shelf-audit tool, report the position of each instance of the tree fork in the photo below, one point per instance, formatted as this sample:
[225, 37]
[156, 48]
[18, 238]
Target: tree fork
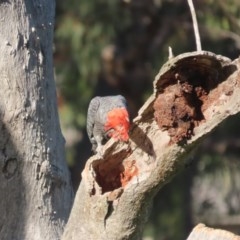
[193, 93]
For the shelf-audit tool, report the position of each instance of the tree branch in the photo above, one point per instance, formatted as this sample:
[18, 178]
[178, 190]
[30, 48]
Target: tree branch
[195, 25]
[203, 232]
[193, 93]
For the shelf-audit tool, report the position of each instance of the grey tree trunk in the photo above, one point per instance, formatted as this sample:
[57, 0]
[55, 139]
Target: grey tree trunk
[35, 190]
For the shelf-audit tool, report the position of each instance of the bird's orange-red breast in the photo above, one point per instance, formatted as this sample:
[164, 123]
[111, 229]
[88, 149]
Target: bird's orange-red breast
[118, 124]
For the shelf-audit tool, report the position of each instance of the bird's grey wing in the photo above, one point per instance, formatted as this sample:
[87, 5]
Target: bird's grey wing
[91, 115]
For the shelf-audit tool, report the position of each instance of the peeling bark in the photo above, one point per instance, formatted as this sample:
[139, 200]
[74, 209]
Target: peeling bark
[193, 93]
[35, 189]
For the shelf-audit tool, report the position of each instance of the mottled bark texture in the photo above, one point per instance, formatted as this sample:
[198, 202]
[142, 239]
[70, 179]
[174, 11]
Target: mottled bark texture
[35, 188]
[193, 93]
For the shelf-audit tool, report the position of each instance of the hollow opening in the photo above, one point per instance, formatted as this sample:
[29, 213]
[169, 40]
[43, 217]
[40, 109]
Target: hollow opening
[179, 106]
[114, 173]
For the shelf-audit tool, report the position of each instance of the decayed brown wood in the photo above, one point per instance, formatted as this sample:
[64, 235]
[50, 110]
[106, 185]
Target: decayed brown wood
[201, 232]
[193, 93]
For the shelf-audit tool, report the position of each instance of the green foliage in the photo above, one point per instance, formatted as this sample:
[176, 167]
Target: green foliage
[82, 31]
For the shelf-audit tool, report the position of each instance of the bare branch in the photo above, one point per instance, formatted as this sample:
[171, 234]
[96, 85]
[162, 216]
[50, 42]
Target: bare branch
[195, 25]
[170, 53]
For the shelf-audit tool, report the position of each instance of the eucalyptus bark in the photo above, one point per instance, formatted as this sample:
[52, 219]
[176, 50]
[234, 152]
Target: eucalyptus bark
[35, 189]
[193, 93]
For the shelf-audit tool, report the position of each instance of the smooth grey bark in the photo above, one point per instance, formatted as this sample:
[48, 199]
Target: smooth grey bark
[35, 189]
[193, 94]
